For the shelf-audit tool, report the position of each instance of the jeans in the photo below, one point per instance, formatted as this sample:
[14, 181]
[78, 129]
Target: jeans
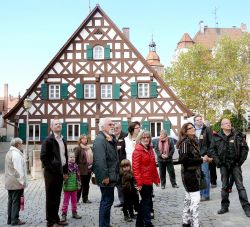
[237, 175]
[107, 200]
[66, 197]
[145, 206]
[205, 193]
[14, 205]
[170, 168]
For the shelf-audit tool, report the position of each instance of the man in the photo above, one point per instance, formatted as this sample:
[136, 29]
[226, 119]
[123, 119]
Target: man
[164, 149]
[106, 168]
[204, 138]
[229, 150]
[54, 159]
[120, 135]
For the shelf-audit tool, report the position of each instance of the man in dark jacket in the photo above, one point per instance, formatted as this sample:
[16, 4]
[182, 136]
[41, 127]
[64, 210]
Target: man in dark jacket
[54, 159]
[120, 135]
[229, 150]
[204, 137]
[106, 168]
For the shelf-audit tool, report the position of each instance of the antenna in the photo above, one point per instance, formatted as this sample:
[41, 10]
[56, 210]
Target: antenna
[89, 7]
[215, 16]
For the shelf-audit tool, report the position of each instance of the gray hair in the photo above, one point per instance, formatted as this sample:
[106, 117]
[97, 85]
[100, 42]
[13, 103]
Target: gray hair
[164, 131]
[102, 122]
[15, 141]
[141, 134]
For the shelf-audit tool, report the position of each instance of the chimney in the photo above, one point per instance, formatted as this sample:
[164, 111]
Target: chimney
[202, 27]
[6, 97]
[126, 32]
[243, 27]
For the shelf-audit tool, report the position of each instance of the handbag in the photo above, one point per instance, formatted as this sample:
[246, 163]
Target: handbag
[203, 182]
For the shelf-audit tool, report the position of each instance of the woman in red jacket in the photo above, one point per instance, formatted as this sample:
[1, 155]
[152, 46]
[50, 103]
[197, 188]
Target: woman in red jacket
[145, 174]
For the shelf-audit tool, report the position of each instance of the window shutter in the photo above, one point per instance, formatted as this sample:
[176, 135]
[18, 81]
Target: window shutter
[84, 128]
[167, 126]
[107, 52]
[64, 131]
[79, 91]
[89, 52]
[116, 91]
[64, 91]
[43, 131]
[44, 91]
[22, 131]
[153, 90]
[145, 125]
[134, 90]
[124, 125]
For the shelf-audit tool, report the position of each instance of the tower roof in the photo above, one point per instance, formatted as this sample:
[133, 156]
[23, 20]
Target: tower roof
[186, 41]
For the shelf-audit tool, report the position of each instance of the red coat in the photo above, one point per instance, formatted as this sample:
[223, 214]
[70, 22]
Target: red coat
[144, 167]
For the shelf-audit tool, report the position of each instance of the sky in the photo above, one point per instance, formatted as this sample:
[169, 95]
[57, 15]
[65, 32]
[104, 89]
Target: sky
[33, 31]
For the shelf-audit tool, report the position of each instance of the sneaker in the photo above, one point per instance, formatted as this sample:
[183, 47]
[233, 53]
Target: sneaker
[175, 186]
[64, 217]
[222, 211]
[76, 216]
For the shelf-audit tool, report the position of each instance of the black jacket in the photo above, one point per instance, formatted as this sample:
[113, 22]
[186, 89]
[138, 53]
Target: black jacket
[50, 155]
[205, 140]
[218, 147]
[190, 158]
[121, 142]
[171, 150]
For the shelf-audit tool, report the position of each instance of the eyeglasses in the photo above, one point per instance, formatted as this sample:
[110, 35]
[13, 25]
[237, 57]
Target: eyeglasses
[146, 137]
[190, 128]
[137, 127]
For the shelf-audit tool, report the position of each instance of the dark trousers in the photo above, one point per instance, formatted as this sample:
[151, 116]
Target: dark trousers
[169, 166]
[213, 174]
[53, 189]
[107, 200]
[128, 204]
[143, 216]
[84, 191]
[120, 193]
[14, 206]
[237, 174]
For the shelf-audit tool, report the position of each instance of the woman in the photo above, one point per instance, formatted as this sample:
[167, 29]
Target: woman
[191, 160]
[84, 160]
[164, 149]
[130, 140]
[15, 180]
[145, 174]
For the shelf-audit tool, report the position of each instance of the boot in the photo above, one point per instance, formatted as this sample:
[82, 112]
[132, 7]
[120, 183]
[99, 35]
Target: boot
[64, 217]
[76, 216]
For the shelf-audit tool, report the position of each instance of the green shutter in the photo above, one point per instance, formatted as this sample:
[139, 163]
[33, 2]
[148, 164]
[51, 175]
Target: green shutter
[64, 130]
[89, 52]
[145, 125]
[84, 128]
[124, 125]
[44, 91]
[153, 90]
[22, 131]
[167, 126]
[64, 91]
[43, 131]
[79, 91]
[107, 52]
[134, 90]
[116, 91]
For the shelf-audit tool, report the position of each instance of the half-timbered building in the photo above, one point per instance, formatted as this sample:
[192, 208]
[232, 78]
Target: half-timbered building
[97, 73]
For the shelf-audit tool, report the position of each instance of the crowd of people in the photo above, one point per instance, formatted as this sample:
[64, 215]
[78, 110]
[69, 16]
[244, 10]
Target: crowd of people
[127, 162]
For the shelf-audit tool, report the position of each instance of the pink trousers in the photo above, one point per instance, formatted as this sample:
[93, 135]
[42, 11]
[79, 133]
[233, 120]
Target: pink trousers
[66, 197]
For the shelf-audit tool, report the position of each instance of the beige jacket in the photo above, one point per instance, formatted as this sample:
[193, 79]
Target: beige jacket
[15, 174]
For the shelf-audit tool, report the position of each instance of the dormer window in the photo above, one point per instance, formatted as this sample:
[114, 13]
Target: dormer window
[98, 52]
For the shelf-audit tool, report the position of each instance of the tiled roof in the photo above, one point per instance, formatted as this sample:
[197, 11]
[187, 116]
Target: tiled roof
[185, 41]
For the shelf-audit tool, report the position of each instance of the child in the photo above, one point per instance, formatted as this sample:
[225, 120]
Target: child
[70, 187]
[131, 199]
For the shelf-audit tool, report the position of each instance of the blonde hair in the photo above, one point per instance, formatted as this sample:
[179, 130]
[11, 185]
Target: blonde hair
[80, 138]
[142, 134]
[124, 163]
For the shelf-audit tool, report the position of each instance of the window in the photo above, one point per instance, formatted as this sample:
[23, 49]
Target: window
[98, 52]
[143, 90]
[54, 91]
[106, 91]
[89, 91]
[73, 132]
[34, 132]
[155, 128]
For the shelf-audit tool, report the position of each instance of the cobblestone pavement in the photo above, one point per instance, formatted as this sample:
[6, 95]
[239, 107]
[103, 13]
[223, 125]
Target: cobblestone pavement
[168, 206]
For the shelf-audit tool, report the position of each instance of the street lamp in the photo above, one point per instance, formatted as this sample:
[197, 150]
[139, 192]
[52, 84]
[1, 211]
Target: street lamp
[27, 105]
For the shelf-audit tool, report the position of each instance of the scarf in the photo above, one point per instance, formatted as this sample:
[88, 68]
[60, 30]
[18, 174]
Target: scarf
[72, 167]
[163, 146]
[88, 153]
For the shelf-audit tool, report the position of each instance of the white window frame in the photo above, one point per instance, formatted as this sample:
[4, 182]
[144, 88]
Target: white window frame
[74, 136]
[54, 91]
[98, 52]
[33, 136]
[106, 91]
[143, 90]
[157, 125]
[89, 91]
